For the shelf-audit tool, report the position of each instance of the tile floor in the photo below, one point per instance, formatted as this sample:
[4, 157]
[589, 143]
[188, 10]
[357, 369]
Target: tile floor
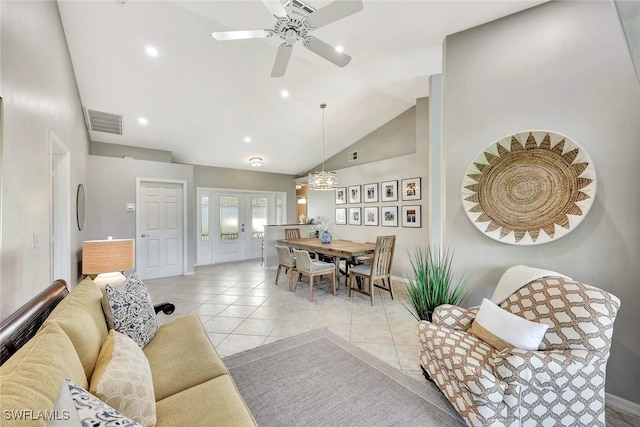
[241, 308]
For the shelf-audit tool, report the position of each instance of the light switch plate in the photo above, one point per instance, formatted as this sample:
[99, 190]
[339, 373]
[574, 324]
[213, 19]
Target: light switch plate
[130, 207]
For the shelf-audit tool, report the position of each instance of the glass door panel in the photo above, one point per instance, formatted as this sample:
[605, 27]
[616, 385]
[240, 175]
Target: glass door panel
[229, 218]
[259, 206]
[204, 225]
[258, 216]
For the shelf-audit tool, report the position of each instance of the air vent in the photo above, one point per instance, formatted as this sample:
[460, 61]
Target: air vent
[352, 156]
[99, 121]
[298, 4]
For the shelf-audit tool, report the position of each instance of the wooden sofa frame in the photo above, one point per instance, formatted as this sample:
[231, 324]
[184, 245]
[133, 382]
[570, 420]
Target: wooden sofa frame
[23, 324]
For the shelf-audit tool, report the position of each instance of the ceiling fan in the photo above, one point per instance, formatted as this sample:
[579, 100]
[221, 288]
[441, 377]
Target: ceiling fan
[295, 24]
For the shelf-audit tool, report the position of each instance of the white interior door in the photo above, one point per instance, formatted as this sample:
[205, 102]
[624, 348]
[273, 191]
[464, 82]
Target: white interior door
[237, 224]
[160, 229]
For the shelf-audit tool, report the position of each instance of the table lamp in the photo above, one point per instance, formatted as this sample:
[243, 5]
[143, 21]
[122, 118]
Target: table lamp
[108, 259]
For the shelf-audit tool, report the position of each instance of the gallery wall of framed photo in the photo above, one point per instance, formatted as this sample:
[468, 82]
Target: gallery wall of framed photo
[398, 203]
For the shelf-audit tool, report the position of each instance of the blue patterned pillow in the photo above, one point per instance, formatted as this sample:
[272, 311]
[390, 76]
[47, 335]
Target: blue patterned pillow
[75, 406]
[132, 309]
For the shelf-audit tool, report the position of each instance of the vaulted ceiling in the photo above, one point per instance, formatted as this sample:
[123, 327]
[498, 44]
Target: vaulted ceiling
[215, 103]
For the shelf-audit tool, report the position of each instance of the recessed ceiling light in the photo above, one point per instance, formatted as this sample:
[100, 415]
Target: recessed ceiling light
[255, 162]
[152, 51]
[339, 49]
[247, 139]
[143, 121]
[284, 93]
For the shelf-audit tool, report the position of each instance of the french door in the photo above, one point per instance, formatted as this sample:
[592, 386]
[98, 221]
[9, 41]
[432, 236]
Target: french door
[231, 224]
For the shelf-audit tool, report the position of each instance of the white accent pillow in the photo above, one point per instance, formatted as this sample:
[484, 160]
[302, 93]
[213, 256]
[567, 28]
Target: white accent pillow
[502, 329]
[122, 379]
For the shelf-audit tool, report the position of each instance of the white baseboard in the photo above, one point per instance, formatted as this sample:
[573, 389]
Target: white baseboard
[622, 405]
[399, 279]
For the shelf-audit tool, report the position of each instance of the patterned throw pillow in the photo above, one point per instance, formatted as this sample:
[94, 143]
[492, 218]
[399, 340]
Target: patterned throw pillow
[502, 329]
[132, 309]
[75, 406]
[122, 379]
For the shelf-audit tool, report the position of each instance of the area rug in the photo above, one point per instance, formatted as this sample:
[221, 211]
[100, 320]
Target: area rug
[320, 379]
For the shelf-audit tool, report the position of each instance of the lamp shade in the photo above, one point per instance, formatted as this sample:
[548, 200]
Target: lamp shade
[105, 256]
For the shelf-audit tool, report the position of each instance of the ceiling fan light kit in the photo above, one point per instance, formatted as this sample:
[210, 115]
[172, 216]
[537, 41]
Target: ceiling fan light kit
[294, 25]
[323, 180]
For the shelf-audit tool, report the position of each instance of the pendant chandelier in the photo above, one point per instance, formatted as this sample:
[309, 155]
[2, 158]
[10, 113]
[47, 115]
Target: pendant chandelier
[323, 180]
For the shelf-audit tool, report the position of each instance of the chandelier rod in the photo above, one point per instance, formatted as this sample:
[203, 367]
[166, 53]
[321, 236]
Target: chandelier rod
[323, 106]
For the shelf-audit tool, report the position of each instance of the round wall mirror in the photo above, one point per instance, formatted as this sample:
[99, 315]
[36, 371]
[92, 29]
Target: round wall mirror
[80, 207]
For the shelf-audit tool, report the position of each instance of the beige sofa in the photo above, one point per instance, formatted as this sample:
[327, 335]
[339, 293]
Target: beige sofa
[191, 383]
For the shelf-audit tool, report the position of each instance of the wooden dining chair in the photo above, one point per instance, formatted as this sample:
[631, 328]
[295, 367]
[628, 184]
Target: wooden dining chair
[305, 265]
[378, 269]
[291, 233]
[294, 233]
[287, 262]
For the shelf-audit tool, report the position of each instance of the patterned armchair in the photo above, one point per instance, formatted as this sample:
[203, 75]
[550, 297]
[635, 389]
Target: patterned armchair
[562, 383]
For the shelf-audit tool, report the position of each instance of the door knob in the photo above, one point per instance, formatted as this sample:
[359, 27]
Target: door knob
[144, 235]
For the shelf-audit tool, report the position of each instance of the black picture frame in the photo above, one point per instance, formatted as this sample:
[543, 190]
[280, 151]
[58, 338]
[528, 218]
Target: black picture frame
[412, 216]
[370, 216]
[412, 189]
[389, 191]
[389, 216]
[355, 216]
[354, 194]
[370, 192]
[341, 216]
[341, 195]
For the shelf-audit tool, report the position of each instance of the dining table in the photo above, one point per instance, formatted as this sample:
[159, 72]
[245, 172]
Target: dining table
[337, 249]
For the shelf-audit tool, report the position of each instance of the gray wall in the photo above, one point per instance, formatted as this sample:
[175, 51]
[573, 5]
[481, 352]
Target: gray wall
[117, 150]
[561, 66]
[40, 96]
[213, 177]
[112, 184]
[395, 138]
[416, 131]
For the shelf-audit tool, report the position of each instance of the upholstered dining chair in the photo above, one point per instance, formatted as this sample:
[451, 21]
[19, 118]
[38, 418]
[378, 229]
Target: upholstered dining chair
[294, 233]
[312, 268]
[287, 262]
[378, 269]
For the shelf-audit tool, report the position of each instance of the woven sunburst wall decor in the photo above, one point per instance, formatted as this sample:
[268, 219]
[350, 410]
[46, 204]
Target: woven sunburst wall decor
[529, 188]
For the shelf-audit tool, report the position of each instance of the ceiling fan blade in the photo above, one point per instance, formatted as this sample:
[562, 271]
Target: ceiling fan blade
[275, 7]
[241, 35]
[326, 51]
[282, 60]
[334, 11]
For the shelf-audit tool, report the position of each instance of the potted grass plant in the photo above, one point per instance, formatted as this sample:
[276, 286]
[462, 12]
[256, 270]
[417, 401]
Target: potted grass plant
[431, 282]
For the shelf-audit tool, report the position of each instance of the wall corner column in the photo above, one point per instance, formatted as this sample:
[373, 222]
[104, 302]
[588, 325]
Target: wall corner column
[436, 222]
